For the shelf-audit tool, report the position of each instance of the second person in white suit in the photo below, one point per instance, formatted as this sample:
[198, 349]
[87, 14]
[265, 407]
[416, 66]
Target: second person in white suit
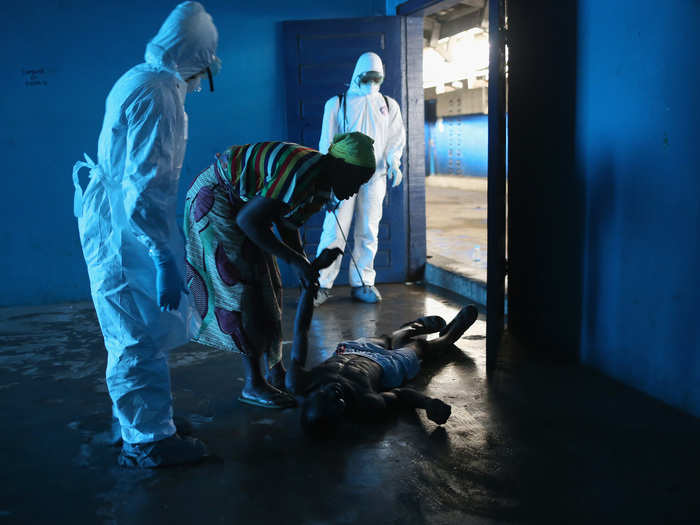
[362, 108]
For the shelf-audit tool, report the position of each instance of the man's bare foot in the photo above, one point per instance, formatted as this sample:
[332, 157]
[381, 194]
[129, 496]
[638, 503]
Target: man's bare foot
[267, 396]
[438, 411]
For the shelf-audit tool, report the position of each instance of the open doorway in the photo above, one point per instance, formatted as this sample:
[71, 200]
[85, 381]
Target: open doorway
[318, 54]
[470, 91]
[455, 84]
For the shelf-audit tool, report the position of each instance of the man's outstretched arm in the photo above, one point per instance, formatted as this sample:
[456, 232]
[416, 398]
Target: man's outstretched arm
[376, 406]
[296, 377]
[295, 380]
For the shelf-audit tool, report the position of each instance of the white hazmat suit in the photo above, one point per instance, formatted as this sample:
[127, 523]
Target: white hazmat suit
[128, 226]
[373, 114]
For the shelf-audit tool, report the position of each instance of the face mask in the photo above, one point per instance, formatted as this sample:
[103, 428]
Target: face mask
[367, 88]
[215, 66]
[194, 85]
[213, 70]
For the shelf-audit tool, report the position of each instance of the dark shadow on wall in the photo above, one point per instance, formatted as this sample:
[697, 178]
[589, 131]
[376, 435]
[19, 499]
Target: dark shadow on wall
[603, 191]
[641, 281]
[546, 196]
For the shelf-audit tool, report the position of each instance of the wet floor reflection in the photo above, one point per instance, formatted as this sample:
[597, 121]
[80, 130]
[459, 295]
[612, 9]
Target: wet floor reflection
[511, 450]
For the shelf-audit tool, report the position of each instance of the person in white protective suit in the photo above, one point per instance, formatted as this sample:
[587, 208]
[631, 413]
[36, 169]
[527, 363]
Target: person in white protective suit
[362, 108]
[133, 248]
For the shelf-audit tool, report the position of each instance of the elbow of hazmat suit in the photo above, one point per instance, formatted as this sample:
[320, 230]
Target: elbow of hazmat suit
[132, 245]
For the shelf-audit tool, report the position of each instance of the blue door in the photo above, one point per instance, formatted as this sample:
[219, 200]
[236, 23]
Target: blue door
[320, 57]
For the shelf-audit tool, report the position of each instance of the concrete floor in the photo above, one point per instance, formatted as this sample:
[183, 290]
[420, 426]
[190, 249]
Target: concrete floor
[456, 217]
[532, 444]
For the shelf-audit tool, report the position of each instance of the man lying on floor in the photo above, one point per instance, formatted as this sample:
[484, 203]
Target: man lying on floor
[364, 378]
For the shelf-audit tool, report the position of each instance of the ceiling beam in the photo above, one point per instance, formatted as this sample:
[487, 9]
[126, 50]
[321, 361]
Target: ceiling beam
[425, 8]
[435, 34]
[463, 23]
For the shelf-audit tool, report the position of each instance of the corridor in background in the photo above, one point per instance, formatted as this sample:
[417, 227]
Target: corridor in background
[455, 84]
[456, 214]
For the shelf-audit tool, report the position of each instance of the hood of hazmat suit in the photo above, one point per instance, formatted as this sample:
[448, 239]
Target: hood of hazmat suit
[186, 43]
[367, 112]
[127, 220]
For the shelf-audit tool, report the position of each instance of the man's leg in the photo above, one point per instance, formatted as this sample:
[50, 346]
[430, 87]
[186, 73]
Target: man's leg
[427, 350]
[331, 237]
[368, 214]
[428, 324]
[383, 341]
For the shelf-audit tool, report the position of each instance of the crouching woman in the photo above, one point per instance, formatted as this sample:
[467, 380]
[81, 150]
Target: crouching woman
[231, 268]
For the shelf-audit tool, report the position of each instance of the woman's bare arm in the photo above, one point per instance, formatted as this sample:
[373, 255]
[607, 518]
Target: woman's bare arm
[255, 220]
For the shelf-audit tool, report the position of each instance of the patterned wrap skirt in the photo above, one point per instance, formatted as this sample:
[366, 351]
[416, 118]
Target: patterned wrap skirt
[236, 286]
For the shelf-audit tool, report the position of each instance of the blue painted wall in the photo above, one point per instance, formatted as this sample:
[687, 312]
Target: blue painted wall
[637, 142]
[61, 58]
[458, 145]
[391, 6]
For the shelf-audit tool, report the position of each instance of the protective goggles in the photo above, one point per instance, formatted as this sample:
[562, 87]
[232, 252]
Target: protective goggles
[371, 77]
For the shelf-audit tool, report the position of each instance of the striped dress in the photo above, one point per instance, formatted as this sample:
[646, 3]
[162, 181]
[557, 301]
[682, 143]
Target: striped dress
[236, 285]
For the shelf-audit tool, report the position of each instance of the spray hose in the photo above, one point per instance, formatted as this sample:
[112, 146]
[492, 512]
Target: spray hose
[349, 253]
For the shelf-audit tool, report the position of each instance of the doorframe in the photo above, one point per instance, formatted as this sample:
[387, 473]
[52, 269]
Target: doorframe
[412, 65]
[496, 228]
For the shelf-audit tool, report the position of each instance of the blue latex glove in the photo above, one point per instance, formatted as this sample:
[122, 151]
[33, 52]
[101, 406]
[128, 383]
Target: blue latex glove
[169, 283]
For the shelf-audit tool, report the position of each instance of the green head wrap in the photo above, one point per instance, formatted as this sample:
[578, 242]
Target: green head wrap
[354, 148]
